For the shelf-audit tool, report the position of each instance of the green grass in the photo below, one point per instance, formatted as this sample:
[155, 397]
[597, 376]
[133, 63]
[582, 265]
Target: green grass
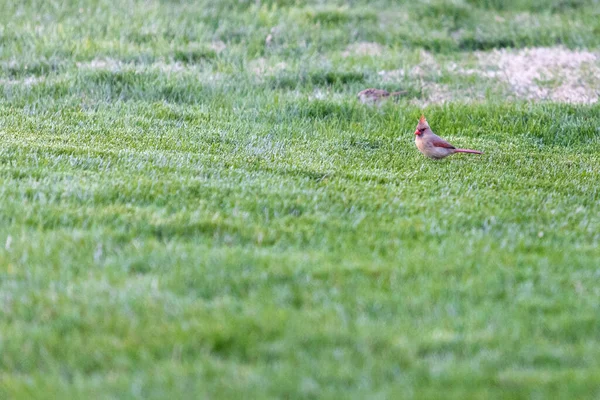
[187, 211]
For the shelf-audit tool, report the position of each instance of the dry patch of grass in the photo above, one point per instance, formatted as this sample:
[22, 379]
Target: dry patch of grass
[546, 74]
[555, 73]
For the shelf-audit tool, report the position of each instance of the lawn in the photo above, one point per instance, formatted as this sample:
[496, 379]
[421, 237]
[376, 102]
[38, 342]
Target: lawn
[193, 203]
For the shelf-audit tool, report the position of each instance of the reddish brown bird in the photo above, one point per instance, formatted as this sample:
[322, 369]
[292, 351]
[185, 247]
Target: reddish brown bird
[433, 146]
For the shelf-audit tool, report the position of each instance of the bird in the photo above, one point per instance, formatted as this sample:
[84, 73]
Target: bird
[433, 146]
[372, 96]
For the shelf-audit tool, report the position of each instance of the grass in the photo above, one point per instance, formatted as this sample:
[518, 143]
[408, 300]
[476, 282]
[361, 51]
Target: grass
[189, 211]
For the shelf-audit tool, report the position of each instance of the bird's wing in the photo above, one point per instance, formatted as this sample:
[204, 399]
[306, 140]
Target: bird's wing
[439, 142]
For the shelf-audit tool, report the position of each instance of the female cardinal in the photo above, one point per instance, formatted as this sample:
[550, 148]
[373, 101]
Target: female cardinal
[433, 146]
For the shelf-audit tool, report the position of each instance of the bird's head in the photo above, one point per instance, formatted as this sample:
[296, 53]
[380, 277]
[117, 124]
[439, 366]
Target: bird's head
[422, 126]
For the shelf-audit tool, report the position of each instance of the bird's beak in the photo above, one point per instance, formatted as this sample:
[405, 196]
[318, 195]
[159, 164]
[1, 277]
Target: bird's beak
[417, 132]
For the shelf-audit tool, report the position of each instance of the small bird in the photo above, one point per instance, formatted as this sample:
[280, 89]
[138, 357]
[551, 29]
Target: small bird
[372, 96]
[433, 146]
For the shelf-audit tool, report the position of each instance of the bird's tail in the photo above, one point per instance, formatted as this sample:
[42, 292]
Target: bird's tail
[399, 93]
[468, 151]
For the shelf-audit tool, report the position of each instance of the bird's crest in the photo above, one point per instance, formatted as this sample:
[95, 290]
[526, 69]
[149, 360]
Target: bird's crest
[422, 125]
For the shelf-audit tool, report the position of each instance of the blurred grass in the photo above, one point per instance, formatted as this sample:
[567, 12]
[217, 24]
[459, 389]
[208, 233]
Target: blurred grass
[188, 209]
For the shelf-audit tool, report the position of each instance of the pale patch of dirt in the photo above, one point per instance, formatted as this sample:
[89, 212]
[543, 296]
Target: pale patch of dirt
[553, 73]
[363, 49]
